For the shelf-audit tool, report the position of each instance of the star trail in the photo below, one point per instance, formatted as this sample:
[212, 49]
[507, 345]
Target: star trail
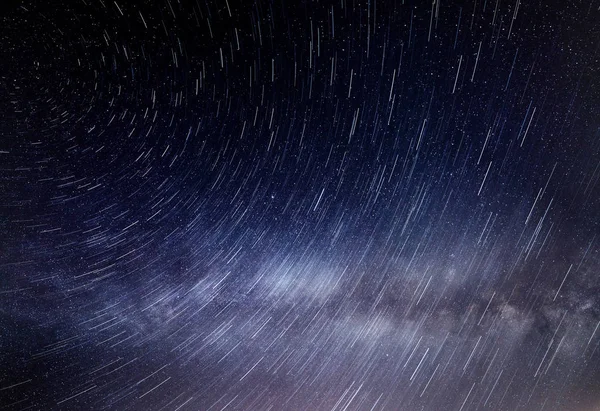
[300, 205]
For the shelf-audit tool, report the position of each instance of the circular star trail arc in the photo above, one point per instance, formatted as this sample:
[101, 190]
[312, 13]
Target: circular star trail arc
[299, 205]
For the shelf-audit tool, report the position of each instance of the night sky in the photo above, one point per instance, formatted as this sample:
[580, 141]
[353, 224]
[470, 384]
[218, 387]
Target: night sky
[300, 205]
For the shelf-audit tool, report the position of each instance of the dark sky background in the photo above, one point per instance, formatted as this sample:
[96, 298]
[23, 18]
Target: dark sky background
[300, 205]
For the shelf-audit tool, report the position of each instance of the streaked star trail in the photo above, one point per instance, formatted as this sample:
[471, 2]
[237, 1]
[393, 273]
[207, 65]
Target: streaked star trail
[300, 205]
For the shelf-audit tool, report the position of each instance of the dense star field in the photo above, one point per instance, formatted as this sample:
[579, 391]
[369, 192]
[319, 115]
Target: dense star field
[300, 205]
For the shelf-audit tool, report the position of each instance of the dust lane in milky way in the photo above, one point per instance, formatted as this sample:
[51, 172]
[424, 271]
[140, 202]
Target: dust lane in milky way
[300, 205]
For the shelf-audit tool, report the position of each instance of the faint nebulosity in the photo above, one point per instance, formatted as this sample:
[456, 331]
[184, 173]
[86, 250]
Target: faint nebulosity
[300, 205]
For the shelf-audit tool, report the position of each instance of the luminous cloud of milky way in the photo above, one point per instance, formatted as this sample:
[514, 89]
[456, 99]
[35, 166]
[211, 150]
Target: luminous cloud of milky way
[300, 205]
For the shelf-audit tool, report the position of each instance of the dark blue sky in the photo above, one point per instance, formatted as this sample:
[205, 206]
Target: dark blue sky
[299, 205]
